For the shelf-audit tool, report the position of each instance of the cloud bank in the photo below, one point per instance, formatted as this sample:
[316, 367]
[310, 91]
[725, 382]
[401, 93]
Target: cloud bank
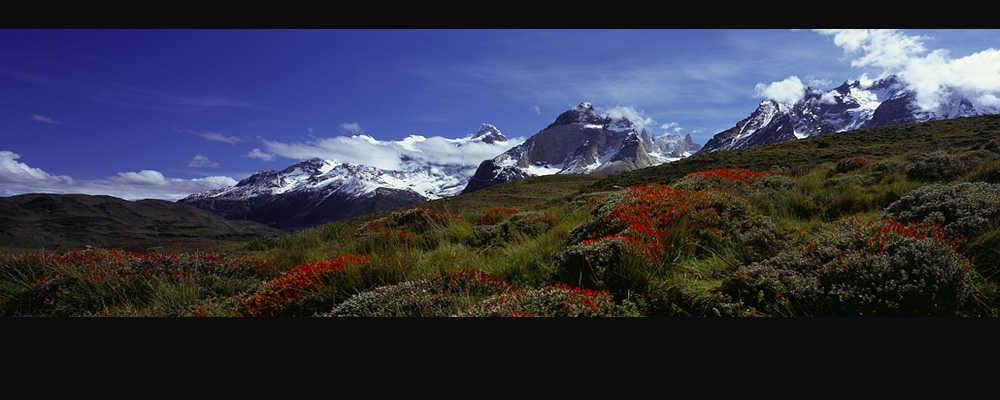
[19, 178]
[386, 154]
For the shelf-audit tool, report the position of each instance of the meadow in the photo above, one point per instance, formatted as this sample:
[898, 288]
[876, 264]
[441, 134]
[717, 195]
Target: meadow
[891, 222]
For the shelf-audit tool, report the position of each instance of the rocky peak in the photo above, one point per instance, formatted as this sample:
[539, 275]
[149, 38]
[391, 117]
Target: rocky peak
[489, 134]
[583, 113]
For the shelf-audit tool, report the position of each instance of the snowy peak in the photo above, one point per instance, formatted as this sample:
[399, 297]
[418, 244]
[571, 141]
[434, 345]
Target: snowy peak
[316, 191]
[852, 105]
[580, 141]
[489, 134]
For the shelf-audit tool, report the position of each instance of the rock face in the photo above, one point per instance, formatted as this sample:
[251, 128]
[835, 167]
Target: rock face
[580, 141]
[847, 107]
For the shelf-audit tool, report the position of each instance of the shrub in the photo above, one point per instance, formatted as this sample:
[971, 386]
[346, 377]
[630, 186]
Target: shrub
[399, 229]
[665, 219]
[300, 291]
[940, 166]
[852, 163]
[874, 268]
[596, 263]
[735, 180]
[495, 215]
[439, 296]
[558, 300]
[513, 227]
[964, 210]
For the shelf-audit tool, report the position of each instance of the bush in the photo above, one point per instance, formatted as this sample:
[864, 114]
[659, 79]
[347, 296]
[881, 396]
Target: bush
[595, 264]
[736, 181]
[878, 268]
[665, 219]
[852, 163]
[400, 229]
[300, 291]
[940, 166]
[439, 296]
[558, 300]
[513, 227]
[964, 210]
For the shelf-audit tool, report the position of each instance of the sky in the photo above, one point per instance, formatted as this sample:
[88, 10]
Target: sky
[162, 114]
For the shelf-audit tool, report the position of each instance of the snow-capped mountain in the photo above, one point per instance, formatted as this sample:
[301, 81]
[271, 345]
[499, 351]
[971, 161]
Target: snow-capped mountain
[581, 142]
[318, 191]
[849, 106]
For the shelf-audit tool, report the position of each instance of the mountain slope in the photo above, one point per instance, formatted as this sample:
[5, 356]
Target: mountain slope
[55, 222]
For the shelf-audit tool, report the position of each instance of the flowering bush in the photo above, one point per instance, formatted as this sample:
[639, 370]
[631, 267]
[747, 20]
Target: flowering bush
[873, 268]
[661, 219]
[297, 291]
[734, 180]
[435, 297]
[558, 300]
[495, 215]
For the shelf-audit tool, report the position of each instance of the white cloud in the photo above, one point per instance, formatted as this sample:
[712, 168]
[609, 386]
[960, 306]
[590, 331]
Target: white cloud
[351, 127]
[18, 178]
[202, 161]
[257, 153]
[389, 155]
[672, 127]
[15, 174]
[45, 119]
[888, 49]
[632, 114]
[928, 73]
[214, 136]
[788, 91]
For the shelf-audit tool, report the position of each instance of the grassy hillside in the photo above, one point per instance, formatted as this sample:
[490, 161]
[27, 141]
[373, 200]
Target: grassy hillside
[798, 156]
[894, 221]
[65, 222]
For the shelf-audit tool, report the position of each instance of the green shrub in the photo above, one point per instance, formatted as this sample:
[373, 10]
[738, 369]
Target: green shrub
[513, 227]
[941, 166]
[878, 268]
[963, 210]
[440, 296]
[551, 301]
[852, 163]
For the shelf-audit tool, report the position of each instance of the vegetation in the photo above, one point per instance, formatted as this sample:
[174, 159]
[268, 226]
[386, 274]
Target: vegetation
[894, 221]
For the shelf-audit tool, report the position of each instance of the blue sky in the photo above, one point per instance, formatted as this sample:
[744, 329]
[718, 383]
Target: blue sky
[165, 113]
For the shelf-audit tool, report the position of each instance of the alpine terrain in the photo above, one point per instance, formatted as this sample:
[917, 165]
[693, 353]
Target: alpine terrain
[318, 191]
[581, 142]
[849, 106]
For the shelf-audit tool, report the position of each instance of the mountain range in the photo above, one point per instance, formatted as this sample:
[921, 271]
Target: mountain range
[317, 191]
[850, 106]
[579, 141]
